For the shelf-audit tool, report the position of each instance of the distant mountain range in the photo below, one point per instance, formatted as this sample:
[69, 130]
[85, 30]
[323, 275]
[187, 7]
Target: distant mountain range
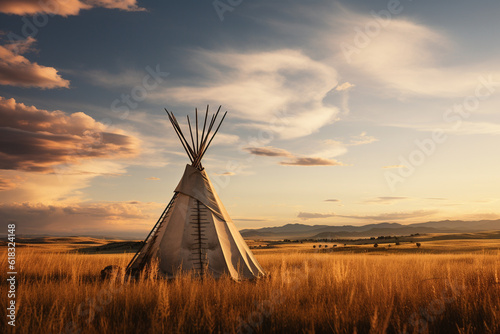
[302, 231]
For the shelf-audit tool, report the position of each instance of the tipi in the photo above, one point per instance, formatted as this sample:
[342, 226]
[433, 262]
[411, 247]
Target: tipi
[194, 232]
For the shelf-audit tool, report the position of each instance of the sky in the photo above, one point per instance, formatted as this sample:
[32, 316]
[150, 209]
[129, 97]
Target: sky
[339, 112]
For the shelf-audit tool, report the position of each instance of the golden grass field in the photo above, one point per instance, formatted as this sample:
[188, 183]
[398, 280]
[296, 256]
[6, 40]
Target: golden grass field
[406, 290]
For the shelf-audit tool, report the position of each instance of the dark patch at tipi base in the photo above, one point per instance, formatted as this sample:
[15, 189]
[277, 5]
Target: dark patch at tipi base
[109, 271]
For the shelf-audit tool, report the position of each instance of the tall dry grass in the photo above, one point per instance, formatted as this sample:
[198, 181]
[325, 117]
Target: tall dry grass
[304, 293]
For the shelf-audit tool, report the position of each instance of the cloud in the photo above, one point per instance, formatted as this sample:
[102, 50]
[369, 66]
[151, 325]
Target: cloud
[152, 178]
[126, 5]
[406, 58]
[311, 162]
[394, 166]
[468, 128]
[362, 139]
[345, 86]
[384, 216]
[83, 218]
[224, 139]
[313, 215]
[32, 139]
[332, 200]
[62, 186]
[481, 216]
[16, 70]
[249, 219]
[268, 151]
[455, 127]
[393, 215]
[6, 184]
[63, 7]
[225, 174]
[294, 160]
[385, 199]
[126, 78]
[278, 91]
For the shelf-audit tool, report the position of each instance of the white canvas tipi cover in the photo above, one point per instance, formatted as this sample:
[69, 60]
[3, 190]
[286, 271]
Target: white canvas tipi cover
[196, 234]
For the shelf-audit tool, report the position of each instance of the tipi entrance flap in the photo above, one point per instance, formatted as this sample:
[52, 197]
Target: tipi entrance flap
[195, 183]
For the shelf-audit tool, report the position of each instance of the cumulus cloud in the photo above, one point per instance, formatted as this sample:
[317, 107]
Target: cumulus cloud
[16, 70]
[32, 139]
[279, 91]
[63, 7]
[83, 218]
[294, 160]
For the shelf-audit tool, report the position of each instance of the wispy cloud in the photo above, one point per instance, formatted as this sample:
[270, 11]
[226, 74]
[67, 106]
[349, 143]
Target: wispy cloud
[63, 7]
[344, 86]
[281, 91]
[126, 78]
[298, 161]
[332, 200]
[152, 178]
[225, 174]
[16, 70]
[362, 139]
[314, 215]
[6, 184]
[394, 166]
[392, 215]
[83, 218]
[268, 151]
[249, 219]
[385, 199]
[406, 58]
[294, 160]
[380, 217]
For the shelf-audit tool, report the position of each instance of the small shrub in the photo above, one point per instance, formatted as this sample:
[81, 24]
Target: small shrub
[375, 245]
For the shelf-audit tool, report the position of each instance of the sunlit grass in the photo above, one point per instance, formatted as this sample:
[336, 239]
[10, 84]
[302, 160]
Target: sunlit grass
[304, 292]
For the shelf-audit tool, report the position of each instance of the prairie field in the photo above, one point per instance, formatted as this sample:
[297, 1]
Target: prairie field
[362, 290]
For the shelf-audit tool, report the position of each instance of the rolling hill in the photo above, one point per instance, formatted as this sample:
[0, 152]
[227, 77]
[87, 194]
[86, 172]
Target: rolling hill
[301, 231]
